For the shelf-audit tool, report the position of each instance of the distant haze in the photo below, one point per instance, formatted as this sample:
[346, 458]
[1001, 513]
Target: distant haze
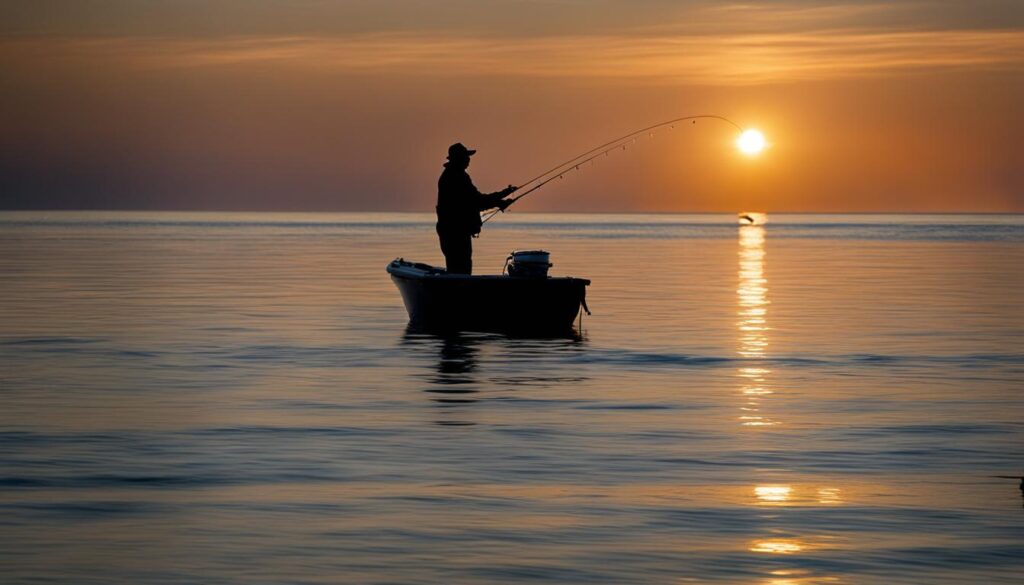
[309, 105]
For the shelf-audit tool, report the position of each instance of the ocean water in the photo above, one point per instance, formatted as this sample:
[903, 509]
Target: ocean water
[236, 398]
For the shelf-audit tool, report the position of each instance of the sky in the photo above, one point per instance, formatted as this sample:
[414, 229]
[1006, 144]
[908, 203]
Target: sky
[314, 105]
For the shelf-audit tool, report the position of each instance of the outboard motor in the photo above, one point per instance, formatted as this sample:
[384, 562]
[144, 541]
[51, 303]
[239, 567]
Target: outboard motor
[528, 264]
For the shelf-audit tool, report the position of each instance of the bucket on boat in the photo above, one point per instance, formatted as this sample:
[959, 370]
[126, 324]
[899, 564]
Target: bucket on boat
[528, 264]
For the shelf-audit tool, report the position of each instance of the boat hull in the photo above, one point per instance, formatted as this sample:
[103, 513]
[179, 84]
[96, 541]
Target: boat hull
[437, 300]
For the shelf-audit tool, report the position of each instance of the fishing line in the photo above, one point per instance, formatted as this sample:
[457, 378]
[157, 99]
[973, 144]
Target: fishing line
[573, 164]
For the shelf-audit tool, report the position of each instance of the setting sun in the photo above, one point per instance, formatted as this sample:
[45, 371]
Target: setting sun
[751, 142]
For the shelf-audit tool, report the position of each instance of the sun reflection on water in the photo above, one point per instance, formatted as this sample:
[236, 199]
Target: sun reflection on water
[796, 495]
[828, 495]
[752, 323]
[777, 546]
[797, 580]
[773, 493]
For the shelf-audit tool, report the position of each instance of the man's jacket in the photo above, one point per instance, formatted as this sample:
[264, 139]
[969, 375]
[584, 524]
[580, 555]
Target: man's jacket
[459, 202]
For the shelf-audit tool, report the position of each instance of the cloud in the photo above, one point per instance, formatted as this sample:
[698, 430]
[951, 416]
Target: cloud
[667, 59]
[519, 18]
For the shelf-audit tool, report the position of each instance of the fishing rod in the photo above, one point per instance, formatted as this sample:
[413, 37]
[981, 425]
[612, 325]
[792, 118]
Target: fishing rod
[573, 164]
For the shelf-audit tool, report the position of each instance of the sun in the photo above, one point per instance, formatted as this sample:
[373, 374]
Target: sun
[751, 142]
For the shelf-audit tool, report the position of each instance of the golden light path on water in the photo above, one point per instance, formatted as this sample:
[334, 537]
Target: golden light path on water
[755, 388]
[752, 293]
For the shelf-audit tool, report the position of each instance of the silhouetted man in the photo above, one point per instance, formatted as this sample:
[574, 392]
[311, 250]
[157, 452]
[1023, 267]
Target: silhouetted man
[459, 204]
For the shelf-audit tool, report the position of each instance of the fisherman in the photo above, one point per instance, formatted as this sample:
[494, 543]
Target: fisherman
[459, 204]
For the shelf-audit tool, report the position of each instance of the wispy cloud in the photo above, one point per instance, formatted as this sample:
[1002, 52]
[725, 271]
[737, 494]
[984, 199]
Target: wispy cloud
[700, 59]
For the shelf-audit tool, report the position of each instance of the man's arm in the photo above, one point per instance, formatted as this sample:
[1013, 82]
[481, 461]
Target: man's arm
[496, 199]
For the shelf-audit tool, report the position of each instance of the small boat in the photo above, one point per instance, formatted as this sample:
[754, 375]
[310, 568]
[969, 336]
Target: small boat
[524, 300]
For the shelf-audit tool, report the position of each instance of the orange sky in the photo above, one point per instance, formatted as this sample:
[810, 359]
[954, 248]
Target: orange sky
[312, 105]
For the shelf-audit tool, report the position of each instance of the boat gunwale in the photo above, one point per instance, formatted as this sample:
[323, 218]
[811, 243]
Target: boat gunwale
[409, 271]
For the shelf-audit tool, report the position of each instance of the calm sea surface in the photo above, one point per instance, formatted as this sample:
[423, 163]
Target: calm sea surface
[235, 398]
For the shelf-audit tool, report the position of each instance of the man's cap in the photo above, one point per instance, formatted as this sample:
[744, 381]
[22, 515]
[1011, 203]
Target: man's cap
[459, 149]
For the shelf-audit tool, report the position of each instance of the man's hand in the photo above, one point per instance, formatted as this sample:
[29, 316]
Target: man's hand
[509, 190]
[504, 203]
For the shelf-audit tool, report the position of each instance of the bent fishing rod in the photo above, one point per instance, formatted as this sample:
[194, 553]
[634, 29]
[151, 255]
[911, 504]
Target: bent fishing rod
[573, 164]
